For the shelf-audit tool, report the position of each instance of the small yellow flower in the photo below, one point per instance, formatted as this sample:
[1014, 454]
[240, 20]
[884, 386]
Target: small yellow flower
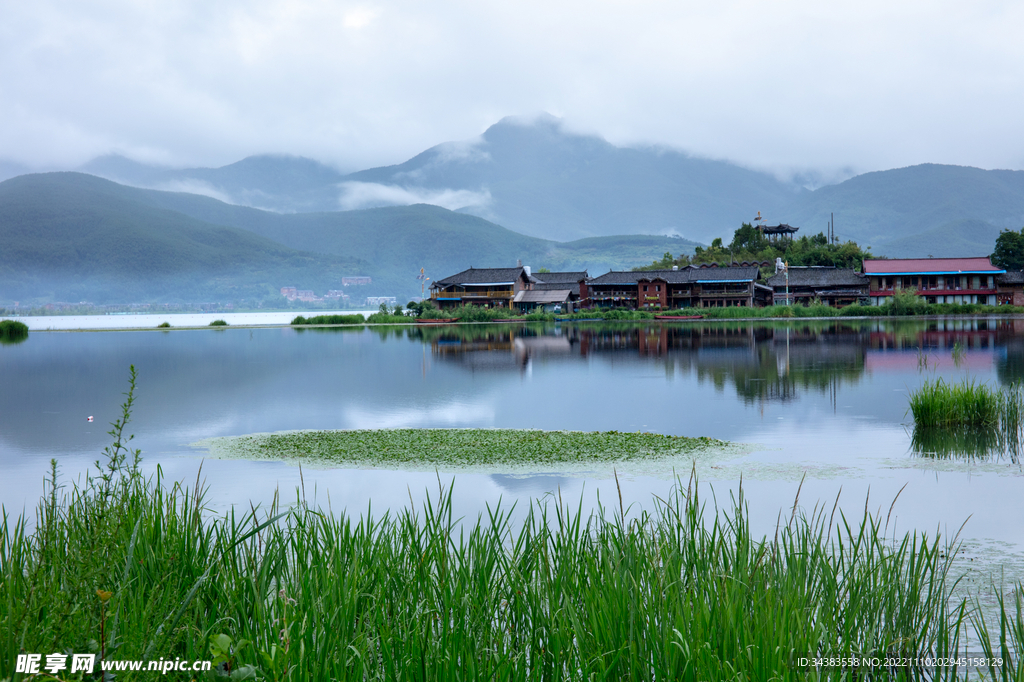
[104, 595]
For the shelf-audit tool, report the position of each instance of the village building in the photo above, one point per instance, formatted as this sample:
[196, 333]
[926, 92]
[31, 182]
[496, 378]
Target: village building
[775, 233]
[826, 284]
[552, 292]
[938, 280]
[698, 287]
[484, 287]
[1010, 288]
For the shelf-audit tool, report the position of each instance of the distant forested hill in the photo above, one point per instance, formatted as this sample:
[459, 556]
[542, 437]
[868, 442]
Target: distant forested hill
[74, 236]
[919, 210]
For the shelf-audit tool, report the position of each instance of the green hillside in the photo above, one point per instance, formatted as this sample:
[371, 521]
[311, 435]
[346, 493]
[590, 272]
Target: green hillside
[77, 237]
[912, 211]
[71, 237]
[442, 241]
[952, 239]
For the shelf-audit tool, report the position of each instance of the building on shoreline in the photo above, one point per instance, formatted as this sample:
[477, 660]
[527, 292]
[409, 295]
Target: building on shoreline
[696, 287]
[938, 280]
[484, 287]
[516, 287]
[1010, 288]
[826, 284]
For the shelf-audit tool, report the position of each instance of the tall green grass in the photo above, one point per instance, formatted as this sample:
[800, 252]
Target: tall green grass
[329, 319]
[678, 591]
[967, 403]
[13, 331]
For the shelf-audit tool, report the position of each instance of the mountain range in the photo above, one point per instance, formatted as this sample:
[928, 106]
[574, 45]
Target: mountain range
[72, 236]
[540, 179]
[529, 189]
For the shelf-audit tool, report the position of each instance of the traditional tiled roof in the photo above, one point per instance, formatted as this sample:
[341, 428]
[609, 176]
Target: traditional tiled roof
[781, 228]
[727, 273]
[1011, 277]
[560, 277]
[819, 277]
[682, 276]
[543, 297]
[555, 281]
[481, 276]
[929, 266]
[632, 277]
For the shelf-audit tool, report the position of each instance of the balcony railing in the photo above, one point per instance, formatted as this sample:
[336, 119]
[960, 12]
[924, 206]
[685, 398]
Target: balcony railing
[476, 293]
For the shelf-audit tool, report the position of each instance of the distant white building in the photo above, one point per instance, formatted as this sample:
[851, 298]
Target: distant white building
[375, 301]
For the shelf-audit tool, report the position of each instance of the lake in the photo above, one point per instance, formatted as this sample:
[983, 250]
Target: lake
[823, 401]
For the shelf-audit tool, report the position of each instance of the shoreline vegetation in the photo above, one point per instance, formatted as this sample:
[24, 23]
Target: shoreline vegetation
[468, 449]
[967, 419]
[12, 331]
[130, 567]
[474, 314]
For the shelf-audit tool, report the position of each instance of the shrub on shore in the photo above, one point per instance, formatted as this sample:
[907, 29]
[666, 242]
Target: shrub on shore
[13, 331]
[218, 323]
[329, 319]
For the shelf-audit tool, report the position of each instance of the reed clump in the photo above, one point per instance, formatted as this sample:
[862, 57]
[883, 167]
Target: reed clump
[13, 331]
[134, 568]
[967, 403]
[328, 319]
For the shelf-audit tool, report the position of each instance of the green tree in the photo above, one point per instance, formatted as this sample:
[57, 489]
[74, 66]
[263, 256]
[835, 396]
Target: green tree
[1009, 253]
[748, 239]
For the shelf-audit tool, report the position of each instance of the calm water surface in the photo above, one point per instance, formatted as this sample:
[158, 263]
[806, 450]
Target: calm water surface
[823, 400]
[151, 320]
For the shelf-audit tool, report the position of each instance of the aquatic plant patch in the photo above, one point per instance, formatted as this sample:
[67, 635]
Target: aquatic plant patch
[967, 403]
[464, 448]
[13, 331]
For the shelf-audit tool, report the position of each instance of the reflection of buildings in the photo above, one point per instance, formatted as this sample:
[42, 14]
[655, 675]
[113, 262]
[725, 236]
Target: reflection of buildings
[761, 361]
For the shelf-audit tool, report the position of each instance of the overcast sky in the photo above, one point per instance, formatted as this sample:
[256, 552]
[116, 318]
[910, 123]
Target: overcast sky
[783, 85]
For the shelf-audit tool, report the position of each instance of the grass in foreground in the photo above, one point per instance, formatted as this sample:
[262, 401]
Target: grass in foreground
[677, 592]
[462, 448]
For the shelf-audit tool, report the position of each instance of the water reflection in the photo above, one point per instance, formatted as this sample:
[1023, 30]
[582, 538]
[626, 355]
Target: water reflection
[982, 444]
[760, 361]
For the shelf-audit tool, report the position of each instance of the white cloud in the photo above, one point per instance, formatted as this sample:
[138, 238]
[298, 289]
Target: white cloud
[790, 84]
[193, 186]
[359, 18]
[355, 195]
